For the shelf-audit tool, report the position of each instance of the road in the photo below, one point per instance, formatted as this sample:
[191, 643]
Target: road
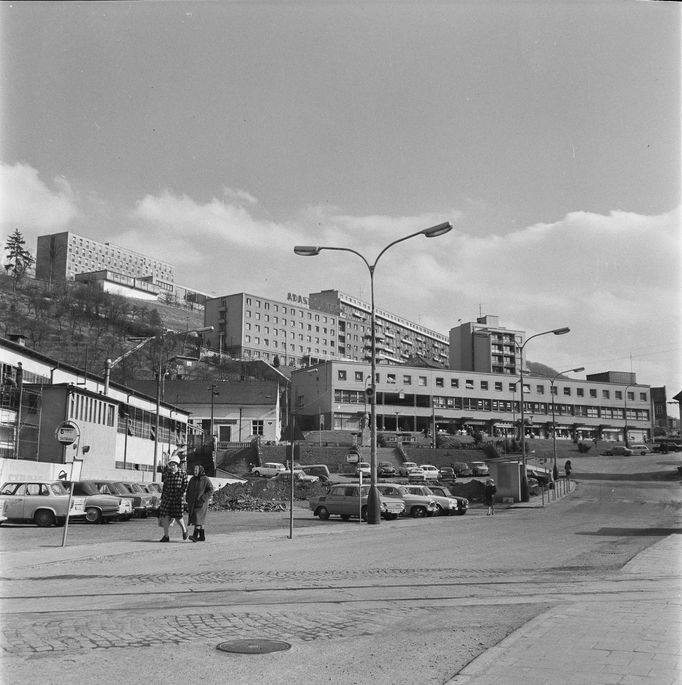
[403, 602]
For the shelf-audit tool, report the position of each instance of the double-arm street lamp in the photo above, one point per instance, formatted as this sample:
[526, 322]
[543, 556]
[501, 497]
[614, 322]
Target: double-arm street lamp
[373, 502]
[551, 390]
[525, 496]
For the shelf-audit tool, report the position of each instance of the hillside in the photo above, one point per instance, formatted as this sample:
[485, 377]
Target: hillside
[81, 325]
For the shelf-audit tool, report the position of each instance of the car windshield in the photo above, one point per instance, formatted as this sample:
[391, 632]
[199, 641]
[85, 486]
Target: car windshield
[118, 488]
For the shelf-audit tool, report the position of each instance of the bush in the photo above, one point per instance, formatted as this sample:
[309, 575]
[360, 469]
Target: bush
[584, 447]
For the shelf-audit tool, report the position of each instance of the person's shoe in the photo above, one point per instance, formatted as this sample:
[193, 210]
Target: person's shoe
[165, 538]
[202, 536]
[194, 537]
[185, 535]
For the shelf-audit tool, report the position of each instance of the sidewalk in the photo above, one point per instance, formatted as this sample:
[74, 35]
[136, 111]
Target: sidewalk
[598, 641]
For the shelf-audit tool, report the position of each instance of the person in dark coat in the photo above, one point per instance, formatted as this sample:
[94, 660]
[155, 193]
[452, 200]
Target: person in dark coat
[172, 499]
[199, 493]
[489, 496]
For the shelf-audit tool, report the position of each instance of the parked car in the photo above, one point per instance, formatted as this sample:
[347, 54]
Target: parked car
[447, 473]
[363, 467]
[154, 490]
[146, 499]
[98, 507]
[405, 467]
[416, 475]
[269, 469]
[447, 505]
[385, 469]
[116, 488]
[416, 506]
[640, 449]
[430, 472]
[44, 503]
[299, 477]
[347, 501]
[542, 476]
[667, 445]
[533, 487]
[479, 468]
[462, 503]
[319, 470]
[617, 451]
[461, 469]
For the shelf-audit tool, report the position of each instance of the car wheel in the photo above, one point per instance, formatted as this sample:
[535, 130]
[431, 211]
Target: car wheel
[93, 515]
[256, 473]
[44, 518]
[323, 513]
[345, 517]
[418, 512]
[440, 511]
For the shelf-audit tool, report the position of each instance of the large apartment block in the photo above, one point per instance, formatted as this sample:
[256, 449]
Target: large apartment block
[398, 340]
[62, 256]
[486, 347]
[248, 326]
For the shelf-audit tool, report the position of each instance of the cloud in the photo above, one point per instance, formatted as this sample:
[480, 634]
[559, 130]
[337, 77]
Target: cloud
[31, 205]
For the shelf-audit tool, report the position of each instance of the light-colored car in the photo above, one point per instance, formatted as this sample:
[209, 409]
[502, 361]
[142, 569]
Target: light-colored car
[639, 449]
[449, 504]
[118, 489]
[44, 503]
[146, 499]
[154, 491]
[347, 501]
[416, 475]
[405, 467]
[430, 471]
[416, 506]
[268, 469]
[385, 469]
[479, 468]
[363, 468]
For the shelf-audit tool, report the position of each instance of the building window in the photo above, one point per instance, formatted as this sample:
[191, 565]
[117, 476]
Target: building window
[439, 383]
[605, 394]
[540, 389]
[390, 378]
[342, 375]
[642, 396]
[484, 385]
[469, 384]
[498, 386]
[454, 382]
[567, 391]
[407, 380]
[257, 427]
[593, 392]
[422, 381]
[358, 376]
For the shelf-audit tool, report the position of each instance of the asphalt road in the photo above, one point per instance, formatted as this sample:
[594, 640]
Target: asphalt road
[402, 602]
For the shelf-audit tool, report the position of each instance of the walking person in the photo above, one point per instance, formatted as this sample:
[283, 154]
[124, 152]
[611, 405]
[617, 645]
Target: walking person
[489, 496]
[199, 493]
[172, 499]
[568, 467]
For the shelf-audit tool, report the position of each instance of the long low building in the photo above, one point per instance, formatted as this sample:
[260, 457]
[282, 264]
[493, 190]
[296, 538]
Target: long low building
[116, 429]
[416, 399]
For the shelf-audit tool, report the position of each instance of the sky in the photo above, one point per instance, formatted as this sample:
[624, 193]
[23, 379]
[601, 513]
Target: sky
[218, 135]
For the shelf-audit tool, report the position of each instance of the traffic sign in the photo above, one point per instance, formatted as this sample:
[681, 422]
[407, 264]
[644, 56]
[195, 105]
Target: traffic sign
[67, 433]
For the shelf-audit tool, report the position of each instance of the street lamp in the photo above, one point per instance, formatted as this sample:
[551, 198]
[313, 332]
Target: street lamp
[551, 390]
[625, 428]
[373, 502]
[524, 477]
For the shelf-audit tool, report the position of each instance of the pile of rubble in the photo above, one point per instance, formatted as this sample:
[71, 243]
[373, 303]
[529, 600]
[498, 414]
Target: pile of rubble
[255, 495]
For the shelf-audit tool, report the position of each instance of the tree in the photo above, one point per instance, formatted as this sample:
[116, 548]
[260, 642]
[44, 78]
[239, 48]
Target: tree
[19, 259]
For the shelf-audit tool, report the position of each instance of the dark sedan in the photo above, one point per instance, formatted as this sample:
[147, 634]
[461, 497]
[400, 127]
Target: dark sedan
[99, 508]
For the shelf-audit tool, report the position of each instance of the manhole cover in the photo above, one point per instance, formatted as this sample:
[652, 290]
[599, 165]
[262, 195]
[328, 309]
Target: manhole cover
[256, 646]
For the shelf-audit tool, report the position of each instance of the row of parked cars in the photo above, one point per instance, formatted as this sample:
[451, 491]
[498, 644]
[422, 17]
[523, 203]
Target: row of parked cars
[418, 501]
[45, 503]
[429, 472]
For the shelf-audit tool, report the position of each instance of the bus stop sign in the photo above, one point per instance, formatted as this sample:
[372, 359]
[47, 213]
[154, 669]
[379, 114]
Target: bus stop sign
[66, 433]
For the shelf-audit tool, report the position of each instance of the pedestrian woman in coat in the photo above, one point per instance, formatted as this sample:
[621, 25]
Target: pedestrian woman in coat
[172, 499]
[489, 496]
[199, 493]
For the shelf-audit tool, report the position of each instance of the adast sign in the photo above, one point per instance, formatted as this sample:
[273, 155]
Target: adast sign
[67, 433]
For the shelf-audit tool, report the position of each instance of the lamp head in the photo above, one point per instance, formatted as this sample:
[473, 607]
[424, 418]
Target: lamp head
[435, 231]
[561, 331]
[307, 250]
[580, 368]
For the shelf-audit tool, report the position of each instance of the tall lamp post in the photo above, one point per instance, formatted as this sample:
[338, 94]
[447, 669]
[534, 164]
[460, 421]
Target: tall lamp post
[551, 390]
[625, 428]
[373, 501]
[524, 477]
[214, 394]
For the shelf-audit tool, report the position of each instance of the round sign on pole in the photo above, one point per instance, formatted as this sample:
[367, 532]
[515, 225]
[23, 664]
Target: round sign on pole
[66, 433]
